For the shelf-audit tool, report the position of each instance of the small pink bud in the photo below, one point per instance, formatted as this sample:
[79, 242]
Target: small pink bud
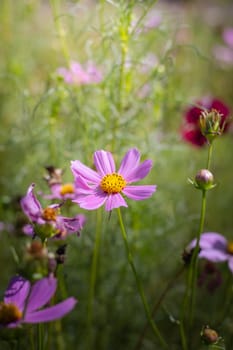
[204, 179]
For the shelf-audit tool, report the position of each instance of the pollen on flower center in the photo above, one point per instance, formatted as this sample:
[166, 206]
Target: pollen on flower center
[66, 189]
[112, 183]
[49, 214]
[9, 313]
[230, 247]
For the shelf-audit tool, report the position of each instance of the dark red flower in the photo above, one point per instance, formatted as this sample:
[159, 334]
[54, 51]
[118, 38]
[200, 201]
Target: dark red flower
[191, 131]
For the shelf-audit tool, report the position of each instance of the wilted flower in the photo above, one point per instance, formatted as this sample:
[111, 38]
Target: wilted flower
[76, 74]
[23, 302]
[106, 185]
[215, 247]
[210, 277]
[47, 222]
[191, 130]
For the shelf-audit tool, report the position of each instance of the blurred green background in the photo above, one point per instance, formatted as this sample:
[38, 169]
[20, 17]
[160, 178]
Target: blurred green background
[47, 122]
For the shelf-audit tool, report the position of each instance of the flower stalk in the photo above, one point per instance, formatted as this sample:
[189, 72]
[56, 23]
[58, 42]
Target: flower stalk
[139, 284]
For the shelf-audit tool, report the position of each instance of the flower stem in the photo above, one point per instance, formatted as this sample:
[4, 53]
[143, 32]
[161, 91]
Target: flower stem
[93, 277]
[157, 304]
[139, 284]
[210, 150]
[59, 28]
[194, 261]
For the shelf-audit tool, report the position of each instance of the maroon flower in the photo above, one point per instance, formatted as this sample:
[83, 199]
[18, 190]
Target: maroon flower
[191, 131]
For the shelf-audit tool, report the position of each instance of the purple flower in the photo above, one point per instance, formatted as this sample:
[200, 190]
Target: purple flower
[49, 217]
[106, 185]
[214, 247]
[228, 36]
[23, 302]
[61, 191]
[78, 75]
[191, 131]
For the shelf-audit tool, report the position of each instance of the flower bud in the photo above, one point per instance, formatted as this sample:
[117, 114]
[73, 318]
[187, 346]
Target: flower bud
[204, 180]
[211, 124]
[209, 336]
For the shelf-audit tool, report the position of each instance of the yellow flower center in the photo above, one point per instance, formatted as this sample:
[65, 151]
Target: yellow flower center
[9, 313]
[66, 189]
[49, 214]
[230, 247]
[113, 183]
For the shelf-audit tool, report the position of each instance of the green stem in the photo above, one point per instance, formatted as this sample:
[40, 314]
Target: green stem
[59, 28]
[210, 151]
[40, 336]
[194, 261]
[93, 277]
[157, 305]
[139, 284]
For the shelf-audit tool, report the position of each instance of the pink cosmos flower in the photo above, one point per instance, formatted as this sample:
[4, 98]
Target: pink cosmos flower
[78, 75]
[191, 131]
[60, 226]
[215, 247]
[23, 302]
[106, 186]
[228, 36]
[61, 191]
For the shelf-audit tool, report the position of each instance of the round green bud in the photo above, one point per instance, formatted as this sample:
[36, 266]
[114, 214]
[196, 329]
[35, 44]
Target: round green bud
[204, 179]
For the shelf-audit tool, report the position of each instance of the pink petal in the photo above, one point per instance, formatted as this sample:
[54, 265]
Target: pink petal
[211, 240]
[115, 201]
[92, 201]
[30, 204]
[41, 293]
[88, 174]
[129, 162]
[104, 162]
[139, 192]
[230, 264]
[51, 313]
[17, 292]
[139, 172]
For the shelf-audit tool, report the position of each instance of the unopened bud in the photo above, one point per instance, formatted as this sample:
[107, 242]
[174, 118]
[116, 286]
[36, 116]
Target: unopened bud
[209, 336]
[204, 180]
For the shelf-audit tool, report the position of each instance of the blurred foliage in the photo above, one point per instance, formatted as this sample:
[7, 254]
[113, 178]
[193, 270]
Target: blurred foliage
[150, 78]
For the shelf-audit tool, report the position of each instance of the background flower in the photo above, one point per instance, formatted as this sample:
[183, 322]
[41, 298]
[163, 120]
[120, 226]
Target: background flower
[215, 247]
[190, 130]
[23, 302]
[49, 217]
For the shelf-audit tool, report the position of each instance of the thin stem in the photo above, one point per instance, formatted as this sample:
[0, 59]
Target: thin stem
[40, 336]
[210, 151]
[59, 28]
[138, 283]
[157, 305]
[93, 276]
[194, 261]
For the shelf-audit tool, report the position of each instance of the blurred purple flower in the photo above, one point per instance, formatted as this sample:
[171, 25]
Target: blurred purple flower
[61, 191]
[106, 186]
[215, 247]
[224, 53]
[228, 36]
[191, 131]
[23, 302]
[61, 226]
[76, 74]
